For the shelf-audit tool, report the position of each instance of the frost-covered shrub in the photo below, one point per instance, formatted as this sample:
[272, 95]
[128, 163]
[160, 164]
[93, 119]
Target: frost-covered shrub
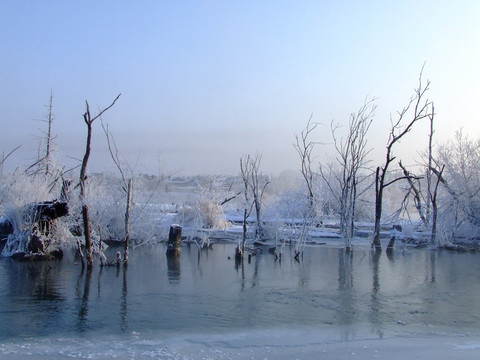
[205, 207]
[203, 214]
[459, 210]
[106, 197]
[19, 192]
[212, 214]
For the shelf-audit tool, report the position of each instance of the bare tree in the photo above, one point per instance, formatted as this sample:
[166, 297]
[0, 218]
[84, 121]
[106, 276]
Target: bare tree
[419, 108]
[253, 192]
[418, 198]
[245, 170]
[89, 119]
[127, 185]
[432, 188]
[49, 134]
[4, 157]
[258, 184]
[304, 147]
[426, 202]
[127, 220]
[44, 156]
[433, 199]
[351, 158]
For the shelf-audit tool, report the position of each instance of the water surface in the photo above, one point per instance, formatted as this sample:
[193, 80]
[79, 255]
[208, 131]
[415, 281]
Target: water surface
[208, 293]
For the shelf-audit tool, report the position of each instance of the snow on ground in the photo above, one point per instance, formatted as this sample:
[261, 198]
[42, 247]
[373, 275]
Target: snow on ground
[275, 344]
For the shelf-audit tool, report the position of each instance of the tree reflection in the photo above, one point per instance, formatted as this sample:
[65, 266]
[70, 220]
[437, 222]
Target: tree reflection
[173, 266]
[240, 266]
[431, 269]
[347, 312]
[375, 303]
[38, 280]
[82, 323]
[44, 281]
[124, 302]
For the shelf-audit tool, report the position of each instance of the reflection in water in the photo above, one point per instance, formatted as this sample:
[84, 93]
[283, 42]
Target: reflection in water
[173, 264]
[82, 323]
[124, 302]
[303, 274]
[430, 266]
[240, 265]
[43, 281]
[85, 319]
[255, 276]
[329, 286]
[376, 303]
[36, 279]
[347, 312]
[390, 254]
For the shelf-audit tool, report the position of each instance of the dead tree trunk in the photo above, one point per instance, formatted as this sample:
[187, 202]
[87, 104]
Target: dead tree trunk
[88, 238]
[127, 220]
[245, 169]
[83, 178]
[249, 167]
[421, 109]
[434, 194]
[87, 117]
[417, 195]
[49, 134]
[378, 207]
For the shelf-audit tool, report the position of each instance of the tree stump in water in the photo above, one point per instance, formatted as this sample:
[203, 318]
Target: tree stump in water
[174, 240]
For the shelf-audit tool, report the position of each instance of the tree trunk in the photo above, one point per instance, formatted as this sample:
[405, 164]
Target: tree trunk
[378, 210]
[245, 215]
[259, 230]
[88, 238]
[83, 177]
[49, 135]
[127, 219]
[433, 238]
[87, 117]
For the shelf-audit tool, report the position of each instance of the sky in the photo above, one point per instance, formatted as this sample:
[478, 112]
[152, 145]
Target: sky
[204, 82]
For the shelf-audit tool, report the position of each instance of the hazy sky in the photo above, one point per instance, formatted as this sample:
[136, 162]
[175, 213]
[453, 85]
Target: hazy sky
[204, 82]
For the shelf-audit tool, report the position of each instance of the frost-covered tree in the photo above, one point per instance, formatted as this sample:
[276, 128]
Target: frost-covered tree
[126, 173]
[254, 185]
[88, 119]
[304, 146]
[424, 189]
[344, 178]
[460, 178]
[418, 108]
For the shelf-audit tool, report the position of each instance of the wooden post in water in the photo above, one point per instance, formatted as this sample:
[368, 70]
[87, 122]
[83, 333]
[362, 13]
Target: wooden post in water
[174, 240]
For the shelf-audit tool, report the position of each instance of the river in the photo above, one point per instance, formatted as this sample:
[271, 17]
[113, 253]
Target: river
[205, 305]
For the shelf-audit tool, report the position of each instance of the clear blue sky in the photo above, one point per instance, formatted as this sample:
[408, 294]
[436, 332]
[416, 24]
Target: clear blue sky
[204, 82]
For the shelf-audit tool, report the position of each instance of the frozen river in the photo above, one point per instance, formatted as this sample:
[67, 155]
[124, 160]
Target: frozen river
[418, 303]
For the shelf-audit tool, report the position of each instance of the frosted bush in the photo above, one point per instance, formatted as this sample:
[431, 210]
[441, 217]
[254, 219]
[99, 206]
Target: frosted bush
[204, 214]
[460, 195]
[18, 193]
